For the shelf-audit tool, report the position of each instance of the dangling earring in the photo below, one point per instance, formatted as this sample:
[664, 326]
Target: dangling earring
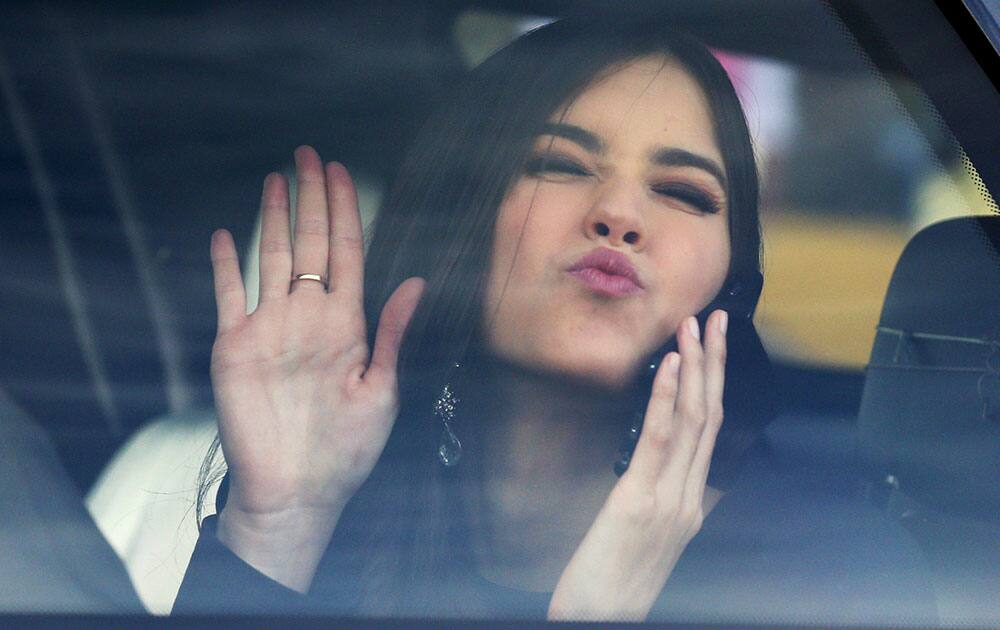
[449, 447]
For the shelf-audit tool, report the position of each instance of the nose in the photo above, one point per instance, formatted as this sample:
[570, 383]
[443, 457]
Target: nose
[616, 217]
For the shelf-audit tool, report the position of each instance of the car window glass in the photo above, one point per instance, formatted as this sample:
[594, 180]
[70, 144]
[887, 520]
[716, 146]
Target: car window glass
[131, 133]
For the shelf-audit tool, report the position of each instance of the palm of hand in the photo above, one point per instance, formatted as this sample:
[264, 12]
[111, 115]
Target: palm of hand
[294, 371]
[303, 412]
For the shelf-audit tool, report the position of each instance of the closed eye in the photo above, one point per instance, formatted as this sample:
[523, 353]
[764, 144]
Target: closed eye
[541, 165]
[689, 195]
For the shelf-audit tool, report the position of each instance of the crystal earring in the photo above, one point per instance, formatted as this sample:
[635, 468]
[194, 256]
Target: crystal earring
[449, 447]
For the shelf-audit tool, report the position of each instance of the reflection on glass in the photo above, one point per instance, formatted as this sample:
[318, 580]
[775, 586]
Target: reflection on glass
[533, 450]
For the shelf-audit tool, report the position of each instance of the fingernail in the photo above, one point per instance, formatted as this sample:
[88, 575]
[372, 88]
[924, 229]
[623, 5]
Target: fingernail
[723, 322]
[673, 362]
[693, 325]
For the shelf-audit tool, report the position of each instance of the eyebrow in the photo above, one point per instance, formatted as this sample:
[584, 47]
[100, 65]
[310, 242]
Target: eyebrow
[681, 157]
[579, 135]
[667, 156]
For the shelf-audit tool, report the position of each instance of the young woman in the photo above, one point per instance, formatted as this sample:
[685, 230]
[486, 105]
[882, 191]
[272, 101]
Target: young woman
[433, 430]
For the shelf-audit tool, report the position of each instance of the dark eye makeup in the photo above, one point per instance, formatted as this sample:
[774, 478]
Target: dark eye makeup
[539, 165]
[690, 195]
[553, 165]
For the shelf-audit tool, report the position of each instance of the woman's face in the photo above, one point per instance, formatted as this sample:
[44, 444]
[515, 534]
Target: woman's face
[616, 231]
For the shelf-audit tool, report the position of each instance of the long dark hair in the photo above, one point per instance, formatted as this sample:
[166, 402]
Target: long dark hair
[399, 544]
[438, 223]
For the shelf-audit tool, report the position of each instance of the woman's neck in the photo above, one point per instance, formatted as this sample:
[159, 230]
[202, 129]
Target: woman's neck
[553, 425]
[545, 458]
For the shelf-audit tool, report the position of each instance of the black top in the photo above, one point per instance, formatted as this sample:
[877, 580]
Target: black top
[772, 550]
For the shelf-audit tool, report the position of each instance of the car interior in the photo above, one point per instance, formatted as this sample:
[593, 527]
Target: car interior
[131, 132]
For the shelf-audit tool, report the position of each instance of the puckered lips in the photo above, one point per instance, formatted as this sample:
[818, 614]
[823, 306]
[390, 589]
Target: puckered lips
[606, 272]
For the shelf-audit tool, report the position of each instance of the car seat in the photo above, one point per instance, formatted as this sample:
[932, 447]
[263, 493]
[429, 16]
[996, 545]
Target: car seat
[929, 422]
[54, 560]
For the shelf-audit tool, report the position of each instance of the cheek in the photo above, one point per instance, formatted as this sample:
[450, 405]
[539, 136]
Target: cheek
[693, 271]
[527, 235]
[706, 265]
[510, 221]
[528, 311]
[508, 263]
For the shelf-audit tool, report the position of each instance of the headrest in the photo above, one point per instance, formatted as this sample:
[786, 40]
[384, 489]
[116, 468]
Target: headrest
[930, 409]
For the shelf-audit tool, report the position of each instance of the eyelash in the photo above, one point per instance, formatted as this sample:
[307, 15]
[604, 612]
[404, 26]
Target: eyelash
[690, 195]
[553, 164]
[685, 193]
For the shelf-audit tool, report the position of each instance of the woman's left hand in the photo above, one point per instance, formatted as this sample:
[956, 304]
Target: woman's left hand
[656, 507]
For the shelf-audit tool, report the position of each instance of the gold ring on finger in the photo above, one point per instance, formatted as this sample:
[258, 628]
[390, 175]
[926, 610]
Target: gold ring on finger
[315, 277]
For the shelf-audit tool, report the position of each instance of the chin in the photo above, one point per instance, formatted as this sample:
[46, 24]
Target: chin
[615, 372]
[608, 362]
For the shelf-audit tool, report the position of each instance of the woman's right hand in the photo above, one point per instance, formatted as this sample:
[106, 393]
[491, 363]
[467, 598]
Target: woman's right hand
[304, 407]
